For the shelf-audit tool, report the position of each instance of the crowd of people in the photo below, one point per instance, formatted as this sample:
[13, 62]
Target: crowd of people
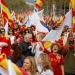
[24, 48]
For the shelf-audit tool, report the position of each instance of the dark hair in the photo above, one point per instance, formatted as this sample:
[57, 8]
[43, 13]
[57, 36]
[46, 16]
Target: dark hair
[12, 32]
[0, 32]
[17, 54]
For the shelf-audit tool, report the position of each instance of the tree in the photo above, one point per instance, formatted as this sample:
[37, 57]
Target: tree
[62, 6]
[17, 5]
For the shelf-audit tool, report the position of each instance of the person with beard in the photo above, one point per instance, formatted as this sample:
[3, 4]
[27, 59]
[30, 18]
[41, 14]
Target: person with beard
[69, 62]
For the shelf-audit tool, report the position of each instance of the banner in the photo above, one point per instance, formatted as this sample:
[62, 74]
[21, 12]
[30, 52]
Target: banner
[5, 12]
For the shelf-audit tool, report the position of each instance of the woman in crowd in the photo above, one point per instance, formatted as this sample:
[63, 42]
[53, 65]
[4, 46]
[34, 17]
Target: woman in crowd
[12, 37]
[36, 46]
[56, 59]
[44, 66]
[29, 65]
[16, 55]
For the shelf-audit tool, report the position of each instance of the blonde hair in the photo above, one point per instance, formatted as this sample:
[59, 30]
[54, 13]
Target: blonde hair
[46, 61]
[41, 35]
[33, 65]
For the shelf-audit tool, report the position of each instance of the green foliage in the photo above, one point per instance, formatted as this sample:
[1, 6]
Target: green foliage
[17, 5]
[61, 5]
[20, 5]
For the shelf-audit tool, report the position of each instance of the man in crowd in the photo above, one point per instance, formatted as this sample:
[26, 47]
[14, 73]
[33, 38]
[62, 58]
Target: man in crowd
[69, 63]
[4, 43]
[26, 46]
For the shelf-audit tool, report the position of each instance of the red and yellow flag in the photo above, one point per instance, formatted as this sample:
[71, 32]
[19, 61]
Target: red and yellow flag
[58, 23]
[6, 13]
[4, 65]
[39, 3]
[46, 44]
[73, 12]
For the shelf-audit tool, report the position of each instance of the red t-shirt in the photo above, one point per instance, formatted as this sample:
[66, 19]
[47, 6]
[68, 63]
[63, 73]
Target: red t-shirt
[6, 50]
[56, 62]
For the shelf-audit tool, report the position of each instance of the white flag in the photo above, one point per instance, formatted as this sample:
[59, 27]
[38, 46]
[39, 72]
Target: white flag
[6, 28]
[3, 71]
[11, 68]
[35, 20]
[54, 35]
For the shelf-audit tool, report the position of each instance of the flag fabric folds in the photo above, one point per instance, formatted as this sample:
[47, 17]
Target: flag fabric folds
[4, 67]
[54, 35]
[44, 24]
[5, 12]
[11, 70]
[60, 21]
[40, 26]
[39, 3]
[3, 71]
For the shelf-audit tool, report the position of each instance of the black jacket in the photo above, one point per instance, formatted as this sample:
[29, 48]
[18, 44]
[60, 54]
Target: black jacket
[25, 50]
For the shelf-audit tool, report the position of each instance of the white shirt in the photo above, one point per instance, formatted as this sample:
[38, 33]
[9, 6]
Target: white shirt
[37, 52]
[47, 72]
[12, 39]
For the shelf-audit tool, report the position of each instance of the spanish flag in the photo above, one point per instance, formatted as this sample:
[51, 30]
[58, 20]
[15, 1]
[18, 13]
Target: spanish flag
[39, 3]
[73, 12]
[4, 20]
[60, 21]
[4, 67]
[6, 13]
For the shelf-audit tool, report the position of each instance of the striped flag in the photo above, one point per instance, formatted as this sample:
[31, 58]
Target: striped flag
[10, 68]
[39, 3]
[4, 70]
[60, 21]
[5, 12]
[44, 24]
[73, 12]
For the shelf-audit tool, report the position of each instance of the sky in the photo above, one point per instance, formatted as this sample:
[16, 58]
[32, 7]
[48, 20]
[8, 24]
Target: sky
[30, 1]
